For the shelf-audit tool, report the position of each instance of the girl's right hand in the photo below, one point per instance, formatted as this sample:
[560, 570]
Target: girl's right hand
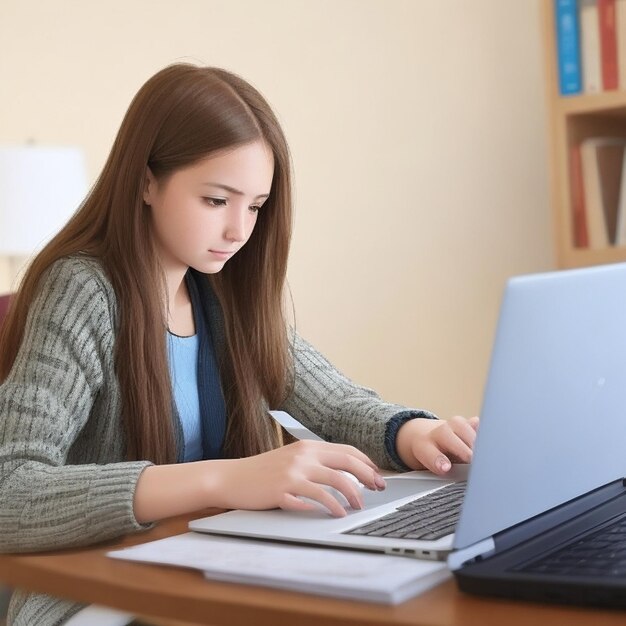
[277, 479]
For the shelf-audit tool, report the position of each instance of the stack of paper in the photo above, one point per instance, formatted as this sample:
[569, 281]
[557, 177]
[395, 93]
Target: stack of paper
[340, 573]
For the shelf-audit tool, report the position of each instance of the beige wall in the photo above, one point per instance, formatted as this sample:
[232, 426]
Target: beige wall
[417, 129]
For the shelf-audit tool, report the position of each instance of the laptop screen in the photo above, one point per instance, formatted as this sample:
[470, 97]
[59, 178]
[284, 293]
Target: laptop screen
[553, 422]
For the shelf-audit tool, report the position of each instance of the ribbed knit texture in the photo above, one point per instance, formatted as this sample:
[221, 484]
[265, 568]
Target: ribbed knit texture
[63, 478]
[339, 411]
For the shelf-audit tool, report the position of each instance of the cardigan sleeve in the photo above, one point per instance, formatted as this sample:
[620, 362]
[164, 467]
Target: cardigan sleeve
[340, 411]
[45, 402]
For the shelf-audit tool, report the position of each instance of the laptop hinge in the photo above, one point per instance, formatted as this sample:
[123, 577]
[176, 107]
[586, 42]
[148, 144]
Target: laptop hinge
[475, 552]
[541, 523]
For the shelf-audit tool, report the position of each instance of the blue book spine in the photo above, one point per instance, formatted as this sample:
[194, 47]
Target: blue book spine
[568, 46]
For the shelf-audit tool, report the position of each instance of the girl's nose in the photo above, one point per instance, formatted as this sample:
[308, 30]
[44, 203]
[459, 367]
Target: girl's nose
[236, 225]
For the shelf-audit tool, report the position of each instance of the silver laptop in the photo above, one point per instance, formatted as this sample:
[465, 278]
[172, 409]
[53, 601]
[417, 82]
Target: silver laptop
[415, 515]
[558, 364]
[372, 528]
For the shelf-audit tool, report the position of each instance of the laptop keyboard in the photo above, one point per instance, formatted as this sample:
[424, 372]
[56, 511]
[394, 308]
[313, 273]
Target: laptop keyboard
[427, 517]
[602, 553]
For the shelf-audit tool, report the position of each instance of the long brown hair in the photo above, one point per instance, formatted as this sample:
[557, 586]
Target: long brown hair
[182, 114]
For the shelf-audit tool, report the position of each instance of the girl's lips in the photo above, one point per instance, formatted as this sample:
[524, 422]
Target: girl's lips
[222, 254]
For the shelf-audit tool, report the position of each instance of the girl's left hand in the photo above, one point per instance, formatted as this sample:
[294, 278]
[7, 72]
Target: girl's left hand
[436, 444]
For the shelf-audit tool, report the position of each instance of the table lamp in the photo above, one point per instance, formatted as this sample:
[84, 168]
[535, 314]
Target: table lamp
[40, 188]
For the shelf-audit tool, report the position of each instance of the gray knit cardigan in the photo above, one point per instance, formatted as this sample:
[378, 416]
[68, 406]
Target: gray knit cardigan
[64, 481]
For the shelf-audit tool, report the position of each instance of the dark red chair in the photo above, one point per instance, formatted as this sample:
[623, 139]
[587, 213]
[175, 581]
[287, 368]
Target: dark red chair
[4, 306]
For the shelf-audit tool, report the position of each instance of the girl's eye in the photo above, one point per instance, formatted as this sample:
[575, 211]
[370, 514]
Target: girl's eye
[255, 208]
[215, 201]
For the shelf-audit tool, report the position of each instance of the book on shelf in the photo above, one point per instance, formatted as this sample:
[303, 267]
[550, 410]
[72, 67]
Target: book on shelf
[590, 46]
[568, 46]
[620, 229]
[608, 44]
[577, 194]
[610, 159]
[596, 188]
[620, 36]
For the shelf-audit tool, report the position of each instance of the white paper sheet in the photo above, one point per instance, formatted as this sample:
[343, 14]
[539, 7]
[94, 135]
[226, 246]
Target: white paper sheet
[340, 573]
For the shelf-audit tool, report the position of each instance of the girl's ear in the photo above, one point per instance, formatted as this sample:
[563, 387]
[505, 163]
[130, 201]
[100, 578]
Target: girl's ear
[149, 187]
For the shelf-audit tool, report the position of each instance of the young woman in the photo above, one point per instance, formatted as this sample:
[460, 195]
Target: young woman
[147, 343]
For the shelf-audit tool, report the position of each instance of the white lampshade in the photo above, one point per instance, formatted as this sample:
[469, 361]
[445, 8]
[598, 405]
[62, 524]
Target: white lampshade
[40, 188]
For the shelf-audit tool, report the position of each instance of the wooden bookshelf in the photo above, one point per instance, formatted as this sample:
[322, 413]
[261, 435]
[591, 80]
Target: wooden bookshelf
[572, 119]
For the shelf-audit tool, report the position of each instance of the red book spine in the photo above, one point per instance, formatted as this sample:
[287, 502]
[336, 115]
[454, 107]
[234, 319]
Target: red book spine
[608, 43]
[577, 193]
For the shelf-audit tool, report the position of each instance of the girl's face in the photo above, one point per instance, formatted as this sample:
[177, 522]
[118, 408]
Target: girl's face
[203, 214]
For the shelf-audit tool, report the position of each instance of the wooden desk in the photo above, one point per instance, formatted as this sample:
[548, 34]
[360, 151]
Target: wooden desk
[87, 575]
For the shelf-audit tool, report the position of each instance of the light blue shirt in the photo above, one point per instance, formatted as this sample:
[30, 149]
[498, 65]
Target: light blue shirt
[182, 355]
